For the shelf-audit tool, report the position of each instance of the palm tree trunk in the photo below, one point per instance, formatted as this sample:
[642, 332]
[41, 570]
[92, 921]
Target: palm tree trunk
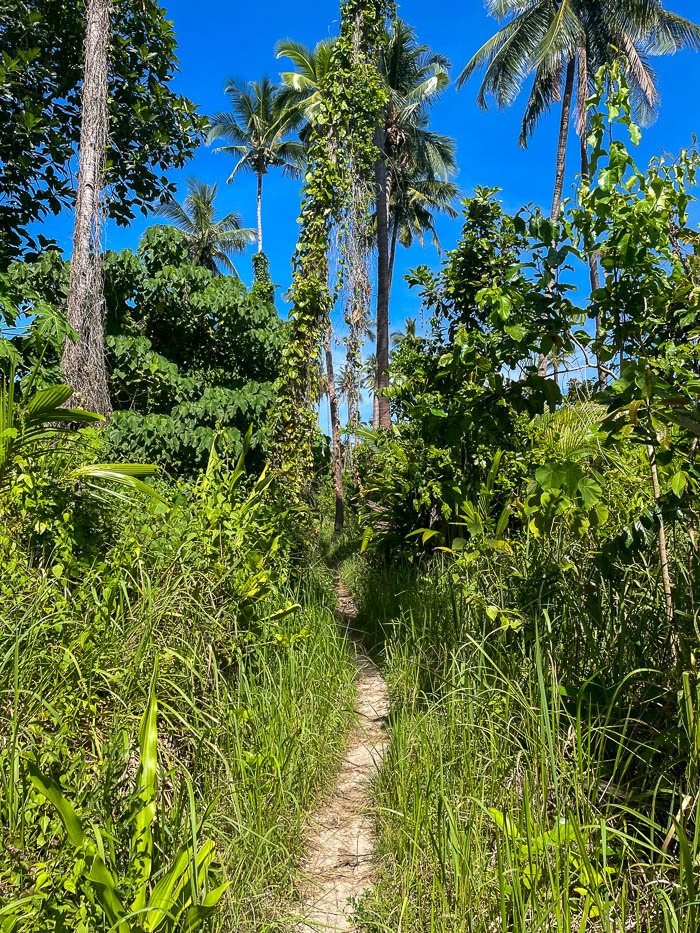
[593, 270]
[260, 187]
[83, 363]
[382, 362]
[336, 462]
[563, 138]
[392, 253]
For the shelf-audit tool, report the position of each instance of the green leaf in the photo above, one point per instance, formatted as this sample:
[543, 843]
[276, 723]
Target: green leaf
[589, 491]
[146, 794]
[51, 790]
[679, 482]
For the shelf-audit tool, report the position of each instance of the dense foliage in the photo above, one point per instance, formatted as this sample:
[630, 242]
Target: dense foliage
[192, 355]
[521, 542]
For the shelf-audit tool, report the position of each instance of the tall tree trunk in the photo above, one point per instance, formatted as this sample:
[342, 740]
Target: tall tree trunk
[392, 252]
[259, 206]
[83, 362]
[336, 463]
[593, 269]
[672, 637]
[563, 138]
[382, 362]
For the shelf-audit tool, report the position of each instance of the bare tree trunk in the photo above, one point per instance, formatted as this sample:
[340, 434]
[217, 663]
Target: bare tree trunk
[259, 207]
[392, 253]
[593, 269]
[563, 138]
[663, 555]
[336, 463]
[83, 363]
[382, 371]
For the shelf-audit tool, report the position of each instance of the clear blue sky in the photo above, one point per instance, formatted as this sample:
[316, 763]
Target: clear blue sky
[220, 39]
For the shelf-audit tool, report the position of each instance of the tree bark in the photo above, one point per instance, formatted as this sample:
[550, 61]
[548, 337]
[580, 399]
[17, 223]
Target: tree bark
[563, 138]
[83, 363]
[336, 462]
[663, 556]
[382, 362]
[259, 208]
[392, 252]
[593, 269]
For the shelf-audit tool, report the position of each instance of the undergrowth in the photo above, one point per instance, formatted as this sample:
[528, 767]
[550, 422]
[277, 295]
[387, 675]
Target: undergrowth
[524, 788]
[200, 605]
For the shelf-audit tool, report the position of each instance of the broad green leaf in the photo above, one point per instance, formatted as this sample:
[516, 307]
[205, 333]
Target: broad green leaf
[589, 491]
[679, 481]
[195, 915]
[50, 789]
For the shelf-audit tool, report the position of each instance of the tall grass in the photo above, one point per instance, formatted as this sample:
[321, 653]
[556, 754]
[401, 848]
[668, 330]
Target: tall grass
[252, 718]
[525, 788]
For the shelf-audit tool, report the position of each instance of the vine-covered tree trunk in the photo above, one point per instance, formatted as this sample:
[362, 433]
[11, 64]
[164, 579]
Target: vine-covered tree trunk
[83, 363]
[382, 357]
[337, 465]
[350, 110]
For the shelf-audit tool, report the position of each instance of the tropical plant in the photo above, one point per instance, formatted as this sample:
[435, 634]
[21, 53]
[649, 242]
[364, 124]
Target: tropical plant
[152, 128]
[564, 44]
[30, 433]
[414, 164]
[137, 898]
[210, 241]
[302, 89]
[257, 129]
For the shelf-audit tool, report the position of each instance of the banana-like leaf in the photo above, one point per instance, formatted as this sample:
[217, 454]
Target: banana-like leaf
[196, 915]
[50, 789]
[122, 474]
[146, 793]
[165, 898]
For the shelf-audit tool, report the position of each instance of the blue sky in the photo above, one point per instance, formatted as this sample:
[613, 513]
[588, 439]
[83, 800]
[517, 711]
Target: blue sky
[220, 39]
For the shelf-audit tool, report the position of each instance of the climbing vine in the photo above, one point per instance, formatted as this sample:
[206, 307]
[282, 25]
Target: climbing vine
[341, 148]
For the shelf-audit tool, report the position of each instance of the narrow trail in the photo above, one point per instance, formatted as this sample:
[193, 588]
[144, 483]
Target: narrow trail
[338, 866]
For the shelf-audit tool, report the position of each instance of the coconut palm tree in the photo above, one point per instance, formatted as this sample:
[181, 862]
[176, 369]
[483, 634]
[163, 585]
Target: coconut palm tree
[411, 158]
[301, 90]
[210, 242]
[258, 128]
[414, 163]
[416, 197]
[563, 43]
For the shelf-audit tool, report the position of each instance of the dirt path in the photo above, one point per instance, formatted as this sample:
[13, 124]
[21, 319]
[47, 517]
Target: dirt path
[339, 862]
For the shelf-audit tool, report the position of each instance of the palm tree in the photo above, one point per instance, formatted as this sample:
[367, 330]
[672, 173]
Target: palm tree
[258, 127]
[416, 197]
[210, 242]
[411, 159]
[414, 165]
[563, 43]
[301, 90]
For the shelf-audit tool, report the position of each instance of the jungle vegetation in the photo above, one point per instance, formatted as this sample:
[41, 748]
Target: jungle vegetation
[514, 509]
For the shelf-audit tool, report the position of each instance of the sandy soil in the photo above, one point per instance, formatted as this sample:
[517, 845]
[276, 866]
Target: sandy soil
[338, 867]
